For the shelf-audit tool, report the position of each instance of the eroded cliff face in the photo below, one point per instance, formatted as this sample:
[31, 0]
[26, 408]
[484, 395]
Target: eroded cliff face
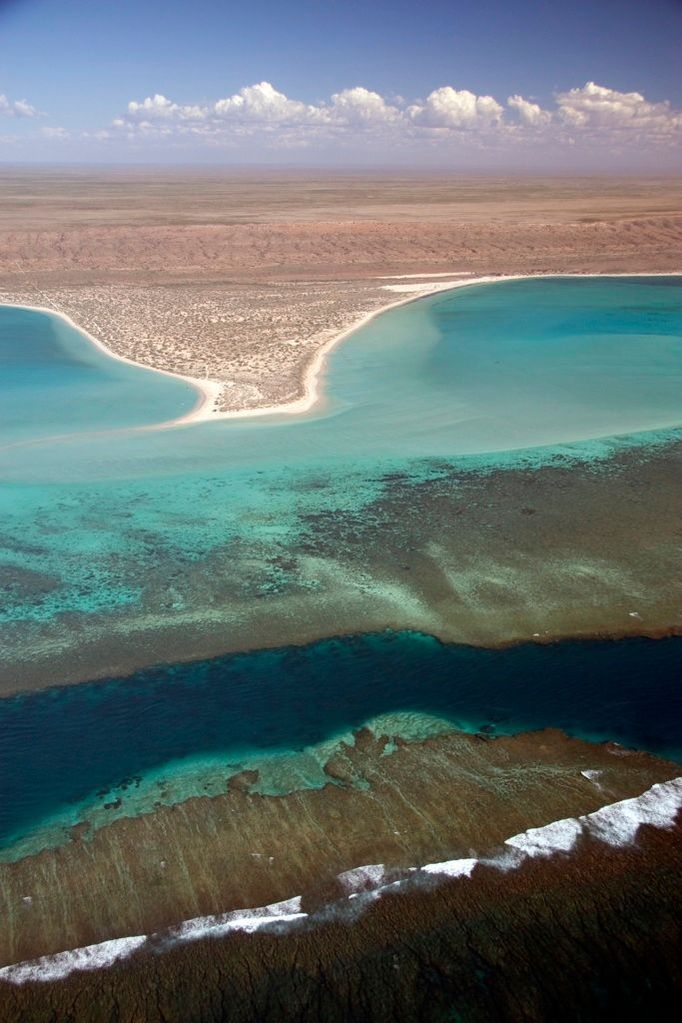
[593, 935]
[387, 802]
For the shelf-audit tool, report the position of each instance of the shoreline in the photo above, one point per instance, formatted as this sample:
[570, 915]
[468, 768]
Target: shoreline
[193, 635]
[654, 634]
[209, 389]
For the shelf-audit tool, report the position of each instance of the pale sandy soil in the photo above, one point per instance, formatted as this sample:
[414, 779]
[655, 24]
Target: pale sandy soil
[243, 280]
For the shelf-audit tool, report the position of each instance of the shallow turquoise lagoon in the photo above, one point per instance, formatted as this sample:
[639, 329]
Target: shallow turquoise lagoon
[483, 375]
[105, 518]
[54, 382]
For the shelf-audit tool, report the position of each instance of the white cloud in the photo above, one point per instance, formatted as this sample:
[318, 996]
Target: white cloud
[261, 103]
[592, 115]
[456, 108]
[597, 109]
[154, 107]
[262, 107]
[530, 114]
[360, 106]
[157, 105]
[60, 134]
[17, 108]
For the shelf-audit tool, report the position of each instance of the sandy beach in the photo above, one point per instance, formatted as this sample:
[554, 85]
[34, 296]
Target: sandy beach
[244, 299]
[340, 513]
[211, 391]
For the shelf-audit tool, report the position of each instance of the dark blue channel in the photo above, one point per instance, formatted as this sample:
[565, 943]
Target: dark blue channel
[60, 745]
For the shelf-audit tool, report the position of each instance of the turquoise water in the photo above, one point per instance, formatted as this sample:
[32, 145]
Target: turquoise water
[55, 382]
[116, 537]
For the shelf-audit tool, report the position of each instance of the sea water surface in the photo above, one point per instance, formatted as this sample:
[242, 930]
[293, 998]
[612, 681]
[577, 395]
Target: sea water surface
[482, 376]
[89, 492]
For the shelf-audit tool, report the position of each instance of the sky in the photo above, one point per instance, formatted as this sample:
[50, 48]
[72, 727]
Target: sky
[593, 85]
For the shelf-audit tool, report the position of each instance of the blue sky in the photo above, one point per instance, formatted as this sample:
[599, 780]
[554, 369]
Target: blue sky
[77, 66]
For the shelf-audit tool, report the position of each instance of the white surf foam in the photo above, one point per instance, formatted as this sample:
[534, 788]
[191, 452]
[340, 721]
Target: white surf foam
[361, 879]
[248, 920]
[56, 967]
[616, 825]
[451, 868]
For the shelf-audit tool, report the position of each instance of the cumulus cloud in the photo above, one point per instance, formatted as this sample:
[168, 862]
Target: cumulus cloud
[595, 113]
[261, 103]
[360, 106]
[456, 108]
[529, 114]
[260, 107]
[595, 108]
[154, 107]
[17, 108]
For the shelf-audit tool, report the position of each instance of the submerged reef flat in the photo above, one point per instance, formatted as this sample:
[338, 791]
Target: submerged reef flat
[458, 476]
[271, 721]
[499, 471]
[484, 557]
[387, 802]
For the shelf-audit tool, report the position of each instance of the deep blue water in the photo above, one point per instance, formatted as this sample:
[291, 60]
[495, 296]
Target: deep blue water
[61, 745]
